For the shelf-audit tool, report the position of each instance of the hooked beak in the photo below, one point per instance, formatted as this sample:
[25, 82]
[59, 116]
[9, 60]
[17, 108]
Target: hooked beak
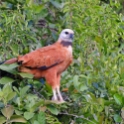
[71, 36]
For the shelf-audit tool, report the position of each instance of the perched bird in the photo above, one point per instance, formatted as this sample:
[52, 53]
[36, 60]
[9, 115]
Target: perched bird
[49, 62]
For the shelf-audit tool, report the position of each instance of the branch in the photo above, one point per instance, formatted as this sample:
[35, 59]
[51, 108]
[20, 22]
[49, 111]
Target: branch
[76, 116]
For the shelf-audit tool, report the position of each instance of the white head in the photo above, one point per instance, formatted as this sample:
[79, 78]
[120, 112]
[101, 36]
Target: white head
[66, 35]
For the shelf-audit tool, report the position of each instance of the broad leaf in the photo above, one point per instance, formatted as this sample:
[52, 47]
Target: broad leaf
[36, 122]
[53, 109]
[28, 115]
[34, 107]
[117, 118]
[17, 91]
[118, 98]
[10, 96]
[23, 91]
[2, 120]
[6, 80]
[14, 48]
[57, 5]
[38, 8]
[8, 111]
[76, 82]
[83, 87]
[26, 75]
[7, 89]
[9, 68]
[18, 112]
[17, 118]
[41, 118]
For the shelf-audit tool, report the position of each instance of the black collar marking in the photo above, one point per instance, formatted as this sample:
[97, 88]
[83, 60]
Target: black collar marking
[66, 43]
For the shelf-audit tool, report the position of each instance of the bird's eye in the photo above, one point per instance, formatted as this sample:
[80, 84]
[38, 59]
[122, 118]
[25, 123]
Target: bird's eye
[66, 32]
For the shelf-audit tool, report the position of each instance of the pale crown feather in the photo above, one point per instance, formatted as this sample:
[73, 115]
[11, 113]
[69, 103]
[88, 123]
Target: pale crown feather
[66, 35]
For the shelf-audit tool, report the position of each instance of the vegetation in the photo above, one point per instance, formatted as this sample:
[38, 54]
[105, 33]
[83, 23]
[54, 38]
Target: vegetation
[93, 85]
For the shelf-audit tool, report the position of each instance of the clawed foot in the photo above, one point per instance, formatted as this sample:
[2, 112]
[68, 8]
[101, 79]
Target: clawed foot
[58, 101]
[57, 97]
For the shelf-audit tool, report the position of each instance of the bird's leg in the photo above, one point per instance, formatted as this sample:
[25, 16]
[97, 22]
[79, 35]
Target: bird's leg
[54, 95]
[59, 94]
[60, 98]
[51, 79]
[54, 81]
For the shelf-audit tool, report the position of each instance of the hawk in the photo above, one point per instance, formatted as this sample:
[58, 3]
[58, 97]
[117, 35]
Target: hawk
[49, 62]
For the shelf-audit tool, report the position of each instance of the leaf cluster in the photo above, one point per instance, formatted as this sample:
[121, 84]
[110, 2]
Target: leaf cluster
[93, 85]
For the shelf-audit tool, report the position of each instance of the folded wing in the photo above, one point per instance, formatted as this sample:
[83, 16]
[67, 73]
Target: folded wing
[43, 58]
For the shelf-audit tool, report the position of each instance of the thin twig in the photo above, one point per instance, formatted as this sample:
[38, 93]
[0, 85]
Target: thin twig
[76, 116]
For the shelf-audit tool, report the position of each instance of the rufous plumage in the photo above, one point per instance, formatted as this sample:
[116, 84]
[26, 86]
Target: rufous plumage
[49, 62]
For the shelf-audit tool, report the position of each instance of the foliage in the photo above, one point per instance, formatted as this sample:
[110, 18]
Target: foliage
[92, 86]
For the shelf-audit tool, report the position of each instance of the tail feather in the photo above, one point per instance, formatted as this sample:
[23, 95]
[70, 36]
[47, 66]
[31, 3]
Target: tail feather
[11, 61]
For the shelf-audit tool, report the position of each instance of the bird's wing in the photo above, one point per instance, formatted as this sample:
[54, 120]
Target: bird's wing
[43, 58]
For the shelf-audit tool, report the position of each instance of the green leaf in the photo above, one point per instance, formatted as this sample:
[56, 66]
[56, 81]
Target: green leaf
[17, 118]
[15, 89]
[18, 112]
[38, 8]
[26, 75]
[36, 122]
[75, 81]
[56, 4]
[23, 91]
[7, 89]
[53, 109]
[29, 2]
[28, 115]
[2, 119]
[118, 98]
[99, 39]
[10, 96]
[6, 80]
[41, 118]
[9, 68]
[7, 93]
[34, 107]
[14, 48]
[83, 87]
[117, 118]
[8, 111]
[1, 94]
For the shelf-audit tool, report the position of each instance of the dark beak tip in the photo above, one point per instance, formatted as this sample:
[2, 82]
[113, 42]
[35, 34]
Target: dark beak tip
[71, 36]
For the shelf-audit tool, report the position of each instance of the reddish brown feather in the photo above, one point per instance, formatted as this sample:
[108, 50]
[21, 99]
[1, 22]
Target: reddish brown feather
[10, 61]
[48, 62]
[46, 56]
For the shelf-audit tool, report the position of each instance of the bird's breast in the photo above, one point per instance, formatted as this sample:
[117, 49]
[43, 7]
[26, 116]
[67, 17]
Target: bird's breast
[69, 49]
[67, 61]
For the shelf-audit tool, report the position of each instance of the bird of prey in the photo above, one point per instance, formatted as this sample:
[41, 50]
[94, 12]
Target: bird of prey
[49, 62]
